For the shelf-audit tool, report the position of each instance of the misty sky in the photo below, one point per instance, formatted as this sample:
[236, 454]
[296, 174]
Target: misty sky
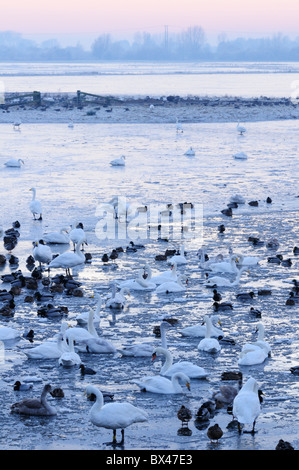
[86, 20]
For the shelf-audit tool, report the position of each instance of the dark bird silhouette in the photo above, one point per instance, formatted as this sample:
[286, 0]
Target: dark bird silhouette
[184, 415]
[214, 432]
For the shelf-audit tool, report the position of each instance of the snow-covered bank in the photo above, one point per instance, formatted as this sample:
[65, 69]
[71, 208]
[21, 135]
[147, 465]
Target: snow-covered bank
[63, 107]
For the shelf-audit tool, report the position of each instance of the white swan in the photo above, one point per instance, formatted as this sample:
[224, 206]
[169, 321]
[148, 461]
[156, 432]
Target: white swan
[117, 299]
[82, 318]
[241, 129]
[159, 384]
[42, 253]
[179, 259]
[240, 156]
[209, 344]
[225, 266]
[94, 343]
[69, 358]
[190, 152]
[260, 343]
[17, 124]
[252, 356]
[78, 234]
[14, 163]
[113, 415]
[48, 350]
[139, 283]
[7, 333]
[169, 275]
[238, 199]
[35, 206]
[145, 349]
[57, 238]
[168, 369]
[246, 405]
[171, 286]
[179, 127]
[71, 124]
[218, 281]
[118, 161]
[199, 330]
[69, 260]
[247, 260]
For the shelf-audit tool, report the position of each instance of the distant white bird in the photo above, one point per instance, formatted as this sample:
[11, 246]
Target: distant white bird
[118, 161]
[190, 152]
[241, 129]
[246, 405]
[71, 124]
[151, 107]
[17, 124]
[179, 127]
[14, 163]
[57, 238]
[35, 205]
[240, 156]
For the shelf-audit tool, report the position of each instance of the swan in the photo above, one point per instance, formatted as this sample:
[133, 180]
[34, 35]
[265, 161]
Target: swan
[260, 342]
[168, 369]
[246, 405]
[208, 344]
[113, 415]
[226, 394]
[57, 238]
[252, 356]
[240, 156]
[71, 124]
[169, 275]
[145, 349]
[69, 260]
[117, 299]
[159, 384]
[82, 319]
[35, 406]
[139, 283]
[179, 127]
[7, 333]
[241, 129]
[172, 286]
[77, 234]
[199, 330]
[190, 152]
[92, 342]
[48, 350]
[179, 258]
[118, 161]
[247, 260]
[69, 358]
[42, 253]
[14, 163]
[17, 124]
[35, 206]
[218, 281]
[225, 266]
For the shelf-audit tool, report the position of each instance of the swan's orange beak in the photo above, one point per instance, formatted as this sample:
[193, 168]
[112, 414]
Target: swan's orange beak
[154, 355]
[188, 385]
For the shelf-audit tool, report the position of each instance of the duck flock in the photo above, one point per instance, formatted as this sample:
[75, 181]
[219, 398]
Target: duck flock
[212, 335]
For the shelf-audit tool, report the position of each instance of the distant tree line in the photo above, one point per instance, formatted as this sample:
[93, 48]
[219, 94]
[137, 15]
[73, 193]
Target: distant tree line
[189, 44]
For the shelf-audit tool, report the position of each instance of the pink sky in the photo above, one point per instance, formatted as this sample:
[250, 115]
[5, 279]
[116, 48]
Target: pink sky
[123, 17]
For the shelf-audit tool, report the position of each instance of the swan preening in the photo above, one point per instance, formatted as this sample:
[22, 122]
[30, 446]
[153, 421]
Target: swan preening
[14, 163]
[246, 405]
[140, 283]
[35, 206]
[113, 415]
[57, 238]
[168, 369]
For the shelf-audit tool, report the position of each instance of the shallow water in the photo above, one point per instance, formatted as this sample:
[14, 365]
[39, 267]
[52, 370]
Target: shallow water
[70, 169]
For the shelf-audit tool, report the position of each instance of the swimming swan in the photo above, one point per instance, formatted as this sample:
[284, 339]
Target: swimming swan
[168, 369]
[35, 406]
[145, 349]
[172, 286]
[159, 384]
[218, 281]
[208, 344]
[14, 163]
[199, 330]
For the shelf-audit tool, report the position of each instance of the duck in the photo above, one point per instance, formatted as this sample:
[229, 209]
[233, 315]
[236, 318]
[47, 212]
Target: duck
[214, 432]
[199, 330]
[118, 161]
[117, 299]
[209, 344]
[284, 445]
[57, 238]
[190, 152]
[35, 406]
[169, 275]
[219, 281]
[296, 250]
[69, 260]
[222, 306]
[161, 385]
[42, 253]
[168, 369]
[69, 358]
[19, 387]
[86, 370]
[241, 129]
[246, 405]
[171, 286]
[113, 415]
[216, 296]
[14, 163]
[145, 349]
[184, 415]
[245, 295]
[35, 206]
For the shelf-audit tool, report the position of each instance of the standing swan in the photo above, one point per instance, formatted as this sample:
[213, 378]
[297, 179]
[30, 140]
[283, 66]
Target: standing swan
[69, 260]
[35, 206]
[246, 405]
[113, 415]
[35, 406]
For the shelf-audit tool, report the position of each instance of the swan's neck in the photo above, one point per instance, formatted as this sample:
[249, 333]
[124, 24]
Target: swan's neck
[90, 324]
[261, 331]
[175, 383]
[99, 401]
[43, 398]
[143, 282]
[208, 328]
[163, 336]
[180, 281]
[71, 345]
[168, 361]
[33, 194]
[113, 291]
